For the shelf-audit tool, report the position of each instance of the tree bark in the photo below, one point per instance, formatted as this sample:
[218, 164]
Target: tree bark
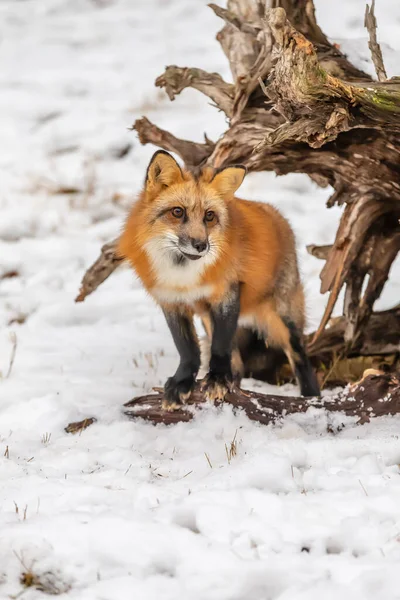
[375, 395]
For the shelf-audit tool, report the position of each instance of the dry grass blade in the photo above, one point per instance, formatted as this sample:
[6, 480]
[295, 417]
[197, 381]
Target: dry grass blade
[334, 364]
[363, 488]
[183, 476]
[231, 452]
[208, 460]
[227, 454]
[13, 337]
[46, 437]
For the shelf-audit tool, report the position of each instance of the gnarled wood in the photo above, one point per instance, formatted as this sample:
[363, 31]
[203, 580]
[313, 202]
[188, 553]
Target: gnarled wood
[176, 79]
[101, 269]
[376, 395]
[321, 252]
[191, 153]
[298, 105]
[335, 360]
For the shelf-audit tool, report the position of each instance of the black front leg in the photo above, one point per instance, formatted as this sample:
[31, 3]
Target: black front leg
[179, 387]
[219, 380]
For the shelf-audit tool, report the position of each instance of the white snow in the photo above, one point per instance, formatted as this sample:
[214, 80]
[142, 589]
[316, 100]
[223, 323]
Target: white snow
[126, 509]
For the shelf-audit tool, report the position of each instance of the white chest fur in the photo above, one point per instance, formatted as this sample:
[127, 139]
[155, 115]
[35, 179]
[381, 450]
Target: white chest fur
[248, 320]
[177, 282]
[186, 296]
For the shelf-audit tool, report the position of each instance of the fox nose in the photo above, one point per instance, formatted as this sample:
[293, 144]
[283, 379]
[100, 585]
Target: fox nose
[199, 245]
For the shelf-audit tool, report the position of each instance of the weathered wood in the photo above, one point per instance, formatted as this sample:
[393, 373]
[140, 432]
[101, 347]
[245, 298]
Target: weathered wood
[176, 79]
[79, 426]
[381, 337]
[191, 153]
[375, 395]
[298, 105]
[376, 52]
[101, 269]
[335, 360]
[321, 252]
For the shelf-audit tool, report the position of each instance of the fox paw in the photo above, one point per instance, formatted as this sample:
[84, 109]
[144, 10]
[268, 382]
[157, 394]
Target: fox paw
[176, 393]
[216, 387]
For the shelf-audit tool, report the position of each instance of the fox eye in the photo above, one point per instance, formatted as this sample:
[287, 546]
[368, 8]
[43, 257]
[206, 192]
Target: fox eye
[210, 214]
[177, 212]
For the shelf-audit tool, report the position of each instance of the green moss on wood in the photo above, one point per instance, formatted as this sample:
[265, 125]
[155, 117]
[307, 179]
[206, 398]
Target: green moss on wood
[383, 100]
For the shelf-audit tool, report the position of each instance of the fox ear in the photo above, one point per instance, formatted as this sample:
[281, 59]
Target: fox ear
[228, 180]
[163, 170]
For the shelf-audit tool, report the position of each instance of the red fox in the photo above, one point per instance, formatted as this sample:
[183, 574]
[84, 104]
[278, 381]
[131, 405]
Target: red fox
[199, 250]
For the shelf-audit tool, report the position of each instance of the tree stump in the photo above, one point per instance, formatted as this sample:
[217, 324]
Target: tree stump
[297, 105]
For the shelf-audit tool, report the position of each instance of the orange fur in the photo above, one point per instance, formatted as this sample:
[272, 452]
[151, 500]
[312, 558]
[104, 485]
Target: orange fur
[251, 244]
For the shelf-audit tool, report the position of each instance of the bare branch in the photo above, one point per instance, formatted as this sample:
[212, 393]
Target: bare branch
[191, 153]
[106, 264]
[175, 79]
[259, 71]
[351, 237]
[376, 52]
[232, 19]
[373, 343]
[14, 342]
[239, 38]
[321, 252]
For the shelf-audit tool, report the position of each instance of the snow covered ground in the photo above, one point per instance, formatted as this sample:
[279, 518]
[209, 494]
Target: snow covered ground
[128, 510]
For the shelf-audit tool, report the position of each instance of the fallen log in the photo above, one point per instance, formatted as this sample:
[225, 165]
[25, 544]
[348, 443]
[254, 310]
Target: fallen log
[375, 395]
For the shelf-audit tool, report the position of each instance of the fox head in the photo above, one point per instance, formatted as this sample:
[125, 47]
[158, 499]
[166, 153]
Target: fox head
[187, 214]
